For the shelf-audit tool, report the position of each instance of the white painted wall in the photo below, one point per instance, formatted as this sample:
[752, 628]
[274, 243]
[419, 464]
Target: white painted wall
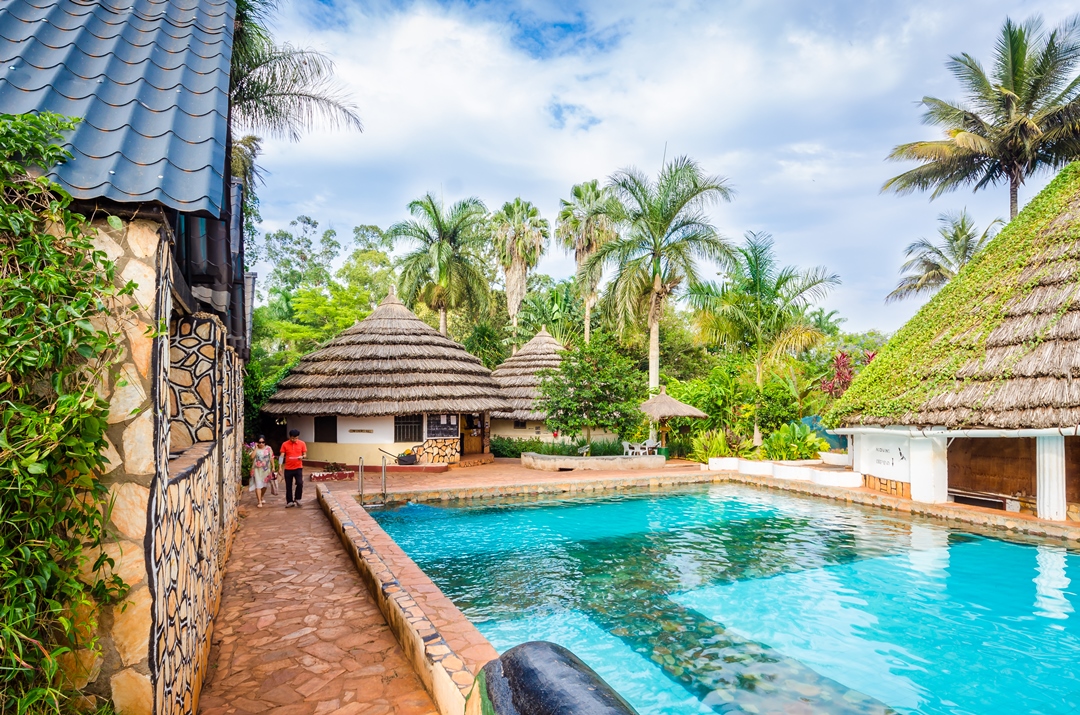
[929, 460]
[304, 423]
[887, 456]
[365, 430]
[1050, 478]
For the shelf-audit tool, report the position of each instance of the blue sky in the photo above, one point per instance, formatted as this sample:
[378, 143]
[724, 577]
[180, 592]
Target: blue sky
[797, 103]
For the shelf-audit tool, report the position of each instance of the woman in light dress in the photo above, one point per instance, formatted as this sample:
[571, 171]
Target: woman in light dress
[262, 462]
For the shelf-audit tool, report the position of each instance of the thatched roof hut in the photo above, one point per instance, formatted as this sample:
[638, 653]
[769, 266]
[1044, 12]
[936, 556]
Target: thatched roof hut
[390, 363]
[519, 379]
[664, 407]
[999, 346]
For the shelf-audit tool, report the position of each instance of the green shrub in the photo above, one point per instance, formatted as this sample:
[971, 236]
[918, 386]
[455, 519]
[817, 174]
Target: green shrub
[794, 441]
[607, 448]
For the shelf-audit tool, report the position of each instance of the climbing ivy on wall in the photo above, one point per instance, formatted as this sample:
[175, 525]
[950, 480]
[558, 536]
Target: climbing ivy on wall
[54, 289]
[924, 357]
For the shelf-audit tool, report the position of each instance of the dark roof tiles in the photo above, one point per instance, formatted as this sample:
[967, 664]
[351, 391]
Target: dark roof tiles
[148, 78]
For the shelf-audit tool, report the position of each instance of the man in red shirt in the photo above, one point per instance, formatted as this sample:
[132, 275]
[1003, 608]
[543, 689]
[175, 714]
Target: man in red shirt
[292, 467]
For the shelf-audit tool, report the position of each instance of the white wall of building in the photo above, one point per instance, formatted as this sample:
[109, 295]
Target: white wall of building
[887, 456]
[304, 423]
[365, 430]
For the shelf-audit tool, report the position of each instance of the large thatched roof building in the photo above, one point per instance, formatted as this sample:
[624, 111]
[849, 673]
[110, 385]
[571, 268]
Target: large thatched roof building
[389, 382]
[984, 381]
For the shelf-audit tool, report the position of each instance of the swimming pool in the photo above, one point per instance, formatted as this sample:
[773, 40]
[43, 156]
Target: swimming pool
[733, 599]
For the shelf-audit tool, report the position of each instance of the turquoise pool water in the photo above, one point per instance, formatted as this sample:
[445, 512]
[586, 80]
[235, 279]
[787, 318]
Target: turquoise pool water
[730, 599]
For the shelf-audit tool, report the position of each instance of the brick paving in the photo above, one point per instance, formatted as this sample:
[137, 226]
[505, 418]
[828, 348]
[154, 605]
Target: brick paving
[297, 633]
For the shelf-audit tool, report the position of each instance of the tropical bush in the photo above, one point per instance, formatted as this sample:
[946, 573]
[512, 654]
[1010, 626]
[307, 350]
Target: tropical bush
[794, 441]
[594, 388]
[715, 443]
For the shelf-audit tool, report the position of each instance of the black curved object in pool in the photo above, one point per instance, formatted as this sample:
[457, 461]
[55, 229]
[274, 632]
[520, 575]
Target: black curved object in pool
[542, 678]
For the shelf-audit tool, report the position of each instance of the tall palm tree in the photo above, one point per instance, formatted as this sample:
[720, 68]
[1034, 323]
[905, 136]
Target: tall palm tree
[932, 265]
[585, 224]
[664, 233]
[520, 236]
[759, 308]
[443, 270]
[1021, 118]
[280, 89]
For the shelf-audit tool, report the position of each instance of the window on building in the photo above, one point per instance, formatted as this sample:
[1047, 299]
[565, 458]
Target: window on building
[408, 428]
[520, 424]
[326, 429]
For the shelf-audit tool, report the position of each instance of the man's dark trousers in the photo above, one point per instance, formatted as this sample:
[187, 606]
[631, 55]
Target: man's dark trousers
[294, 476]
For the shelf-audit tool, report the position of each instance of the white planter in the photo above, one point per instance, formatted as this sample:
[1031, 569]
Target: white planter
[755, 468]
[798, 470]
[836, 459]
[723, 464]
[836, 478]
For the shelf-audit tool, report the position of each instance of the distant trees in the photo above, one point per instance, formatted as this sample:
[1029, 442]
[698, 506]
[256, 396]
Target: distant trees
[664, 233]
[1021, 117]
[931, 265]
[520, 237]
[587, 222]
[759, 307]
[443, 270]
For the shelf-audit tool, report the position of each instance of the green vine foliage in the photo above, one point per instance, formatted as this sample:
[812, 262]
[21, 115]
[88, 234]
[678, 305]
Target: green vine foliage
[924, 357]
[53, 283]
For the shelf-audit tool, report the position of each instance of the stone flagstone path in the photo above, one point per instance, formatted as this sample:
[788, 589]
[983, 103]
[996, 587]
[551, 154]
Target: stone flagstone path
[297, 633]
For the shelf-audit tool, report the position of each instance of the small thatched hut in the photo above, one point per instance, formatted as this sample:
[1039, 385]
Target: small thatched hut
[977, 398]
[389, 382]
[519, 378]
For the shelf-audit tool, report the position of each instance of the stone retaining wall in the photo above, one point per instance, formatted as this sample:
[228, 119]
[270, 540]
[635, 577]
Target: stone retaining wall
[556, 463]
[442, 670]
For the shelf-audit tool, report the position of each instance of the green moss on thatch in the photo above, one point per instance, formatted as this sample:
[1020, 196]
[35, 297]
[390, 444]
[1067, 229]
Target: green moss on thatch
[977, 354]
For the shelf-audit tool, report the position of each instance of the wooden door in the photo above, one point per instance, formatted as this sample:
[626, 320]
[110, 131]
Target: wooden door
[472, 439]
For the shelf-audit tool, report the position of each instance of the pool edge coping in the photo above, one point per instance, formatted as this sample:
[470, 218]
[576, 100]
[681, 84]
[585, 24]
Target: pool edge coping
[441, 670]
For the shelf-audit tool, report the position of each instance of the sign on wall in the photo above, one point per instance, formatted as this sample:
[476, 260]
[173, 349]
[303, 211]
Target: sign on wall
[442, 426]
[885, 456]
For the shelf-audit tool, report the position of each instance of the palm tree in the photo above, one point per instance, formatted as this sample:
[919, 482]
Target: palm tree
[443, 270]
[932, 265]
[520, 237]
[759, 309]
[665, 232]
[1022, 118]
[280, 89]
[585, 224]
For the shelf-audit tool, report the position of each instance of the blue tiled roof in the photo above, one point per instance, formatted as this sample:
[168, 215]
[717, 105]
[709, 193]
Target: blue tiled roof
[150, 80]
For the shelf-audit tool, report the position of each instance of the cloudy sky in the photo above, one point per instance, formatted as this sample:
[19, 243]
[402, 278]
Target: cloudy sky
[797, 103]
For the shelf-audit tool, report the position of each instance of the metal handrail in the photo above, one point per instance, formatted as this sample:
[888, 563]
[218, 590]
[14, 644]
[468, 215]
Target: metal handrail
[361, 480]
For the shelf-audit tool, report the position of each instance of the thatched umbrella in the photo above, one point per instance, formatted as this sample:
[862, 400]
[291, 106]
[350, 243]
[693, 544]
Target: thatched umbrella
[661, 408]
[389, 363]
[520, 380]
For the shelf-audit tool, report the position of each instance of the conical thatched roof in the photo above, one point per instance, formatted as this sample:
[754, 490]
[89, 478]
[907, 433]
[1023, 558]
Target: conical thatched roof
[519, 380]
[999, 346]
[664, 407]
[390, 363]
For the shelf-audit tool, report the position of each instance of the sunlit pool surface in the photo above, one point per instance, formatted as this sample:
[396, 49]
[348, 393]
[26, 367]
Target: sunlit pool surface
[730, 599]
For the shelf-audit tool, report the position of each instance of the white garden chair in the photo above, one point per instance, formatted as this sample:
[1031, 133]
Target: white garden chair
[649, 446]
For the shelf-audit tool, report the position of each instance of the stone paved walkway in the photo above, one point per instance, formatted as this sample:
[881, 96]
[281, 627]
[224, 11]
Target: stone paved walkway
[298, 633]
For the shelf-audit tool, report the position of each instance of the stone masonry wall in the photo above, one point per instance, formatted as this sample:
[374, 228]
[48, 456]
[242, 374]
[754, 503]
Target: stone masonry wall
[195, 374]
[439, 451]
[171, 524]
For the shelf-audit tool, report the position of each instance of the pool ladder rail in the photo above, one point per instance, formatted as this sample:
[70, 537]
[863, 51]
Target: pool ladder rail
[360, 480]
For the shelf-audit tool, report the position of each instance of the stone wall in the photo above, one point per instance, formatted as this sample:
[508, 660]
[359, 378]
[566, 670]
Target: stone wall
[172, 524]
[439, 451]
